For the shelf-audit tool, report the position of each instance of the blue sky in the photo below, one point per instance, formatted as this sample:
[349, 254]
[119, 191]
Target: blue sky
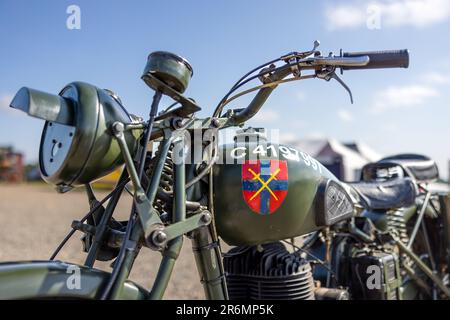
[398, 110]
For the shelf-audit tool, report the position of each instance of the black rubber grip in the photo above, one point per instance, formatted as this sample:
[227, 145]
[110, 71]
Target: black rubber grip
[381, 59]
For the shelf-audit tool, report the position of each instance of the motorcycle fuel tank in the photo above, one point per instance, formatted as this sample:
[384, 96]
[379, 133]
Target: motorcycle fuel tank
[265, 192]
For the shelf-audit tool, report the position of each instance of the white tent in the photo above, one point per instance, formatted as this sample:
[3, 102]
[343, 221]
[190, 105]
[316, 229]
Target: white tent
[364, 150]
[345, 162]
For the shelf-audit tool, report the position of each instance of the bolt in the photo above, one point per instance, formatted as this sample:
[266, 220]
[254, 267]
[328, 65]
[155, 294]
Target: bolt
[215, 122]
[118, 127]
[141, 197]
[177, 123]
[201, 167]
[206, 218]
[159, 237]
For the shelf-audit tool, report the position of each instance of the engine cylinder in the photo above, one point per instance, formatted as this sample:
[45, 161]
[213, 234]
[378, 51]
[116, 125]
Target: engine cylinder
[267, 272]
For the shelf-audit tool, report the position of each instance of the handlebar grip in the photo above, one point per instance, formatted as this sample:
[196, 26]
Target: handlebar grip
[381, 59]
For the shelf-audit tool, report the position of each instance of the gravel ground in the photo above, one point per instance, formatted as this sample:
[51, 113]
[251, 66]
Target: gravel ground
[34, 219]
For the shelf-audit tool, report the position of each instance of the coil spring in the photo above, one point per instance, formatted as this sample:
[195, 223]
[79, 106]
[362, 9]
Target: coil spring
[166, 181]
[396, 222]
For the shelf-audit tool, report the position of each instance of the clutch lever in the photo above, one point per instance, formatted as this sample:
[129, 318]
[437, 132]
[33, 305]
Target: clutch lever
[330, 73]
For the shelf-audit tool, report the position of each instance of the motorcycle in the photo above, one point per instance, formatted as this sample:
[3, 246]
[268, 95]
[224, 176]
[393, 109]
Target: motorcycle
[251, 193]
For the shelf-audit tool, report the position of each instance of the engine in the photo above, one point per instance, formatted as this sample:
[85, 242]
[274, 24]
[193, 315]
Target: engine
[375, 275]
[271, 272]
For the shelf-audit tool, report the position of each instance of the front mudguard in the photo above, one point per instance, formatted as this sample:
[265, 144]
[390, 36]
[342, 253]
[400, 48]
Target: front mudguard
[55, 279]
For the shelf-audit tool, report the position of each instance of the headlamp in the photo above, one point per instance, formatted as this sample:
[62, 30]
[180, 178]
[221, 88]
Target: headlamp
[77, 146]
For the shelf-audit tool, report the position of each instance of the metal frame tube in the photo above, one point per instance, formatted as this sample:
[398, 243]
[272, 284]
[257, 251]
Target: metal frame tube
[131, 246]
[419, 219]
[420, 283]
[261, 97]
[172, 251]
[101, 228]
[422, 266]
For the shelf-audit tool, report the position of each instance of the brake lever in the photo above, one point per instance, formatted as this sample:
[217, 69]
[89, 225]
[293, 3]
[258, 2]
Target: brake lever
[342, 83]
[328, 75]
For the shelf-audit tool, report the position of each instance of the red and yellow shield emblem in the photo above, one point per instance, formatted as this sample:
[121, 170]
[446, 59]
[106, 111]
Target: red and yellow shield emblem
[264, 184]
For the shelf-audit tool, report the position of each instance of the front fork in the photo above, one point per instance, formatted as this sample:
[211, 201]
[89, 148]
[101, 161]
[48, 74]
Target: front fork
[205, 244]
[207, 251]
[209, 263]
[168, 239]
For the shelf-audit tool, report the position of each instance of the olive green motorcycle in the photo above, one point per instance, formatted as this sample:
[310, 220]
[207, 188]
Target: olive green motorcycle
[250, 193]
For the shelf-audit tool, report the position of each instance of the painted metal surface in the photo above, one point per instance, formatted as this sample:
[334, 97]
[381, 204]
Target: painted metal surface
[172, 69]
[238, 224]
[381, 218]
[280, 193]
[50, 279]
[71, 156]
[264, 184]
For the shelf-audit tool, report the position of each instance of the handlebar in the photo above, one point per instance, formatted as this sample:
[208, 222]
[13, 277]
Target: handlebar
[346, 61]
[356, 61]
[380, 59]
[261, 97]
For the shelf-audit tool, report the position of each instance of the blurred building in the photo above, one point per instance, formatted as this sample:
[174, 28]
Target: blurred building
[448, 178]
[344, 160]
[11, 165]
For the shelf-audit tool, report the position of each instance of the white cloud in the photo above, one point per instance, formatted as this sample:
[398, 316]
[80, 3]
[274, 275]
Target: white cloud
[388, 127]
[345, 16]
[345, 115]
[418, 13]
[394, 13]
[315, 135]
[5, 100]
[287, 137]
[395, 97]
[436, 78]
[266, 116]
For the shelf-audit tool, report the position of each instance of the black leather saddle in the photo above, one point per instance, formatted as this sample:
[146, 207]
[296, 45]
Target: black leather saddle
[418, 167]
[391, 194]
